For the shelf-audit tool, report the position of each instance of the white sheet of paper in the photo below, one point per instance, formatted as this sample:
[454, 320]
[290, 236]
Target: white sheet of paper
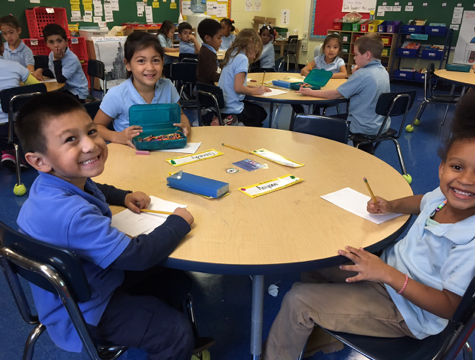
[355, 202]
[135, 224]
[190, 148]
[274, 92]
[48, 80]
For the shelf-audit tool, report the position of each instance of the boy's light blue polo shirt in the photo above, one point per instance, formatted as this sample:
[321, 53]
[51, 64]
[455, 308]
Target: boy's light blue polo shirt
[363, 88]
[233, 100]
[334, 66]
[61, 214]
[436, 255]
[227, 41]
[267, 58]
[76, 81]
[21, 54]
[11, 73]
[119, 99]
[166, 43]
[187, 47]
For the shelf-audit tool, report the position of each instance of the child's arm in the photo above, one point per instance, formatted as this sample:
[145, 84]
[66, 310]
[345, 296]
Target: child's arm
[196, 43]
[342, 74]
[370, 267]
[307, 68]
[124, 137]
[407, 205]
[30, 80]
[184, 124]
[242, 89]
[324, 94]
[38, 73]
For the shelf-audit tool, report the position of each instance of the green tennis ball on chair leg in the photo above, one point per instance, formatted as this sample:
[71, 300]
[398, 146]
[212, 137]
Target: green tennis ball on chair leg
[409, 128]
[408, 178]
[19, 190]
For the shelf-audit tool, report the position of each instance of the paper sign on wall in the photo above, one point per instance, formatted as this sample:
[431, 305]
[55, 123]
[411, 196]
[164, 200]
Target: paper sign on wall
[186, 7]
[221, 10]
[284, 17]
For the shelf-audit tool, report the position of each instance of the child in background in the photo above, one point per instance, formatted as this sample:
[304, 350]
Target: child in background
[267, 59]
[63, 64]
[245, 49]
[15, 49]
[165, 37]
[329, 59]
[133, 298]
[188, 43]
[363, 88]
[208, 70]
[145, 85]
[416, 284]
[228, 38]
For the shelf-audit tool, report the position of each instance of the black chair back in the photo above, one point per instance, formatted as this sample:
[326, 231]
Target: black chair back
[188, 57]
[207, 101]
[96, 68]
[183, 71]
[327, 127]
[292, 42]
[92, 108]
[8, 94]
[41, 62]
[385, 104]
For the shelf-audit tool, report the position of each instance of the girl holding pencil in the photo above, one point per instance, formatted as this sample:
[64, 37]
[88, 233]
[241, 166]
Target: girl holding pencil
[233, 80]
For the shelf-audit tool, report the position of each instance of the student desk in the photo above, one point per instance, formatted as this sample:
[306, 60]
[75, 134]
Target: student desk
[281, 43]
[290, 230]
[177, 55]
[462, 78]
[53, 86]
[291, 96]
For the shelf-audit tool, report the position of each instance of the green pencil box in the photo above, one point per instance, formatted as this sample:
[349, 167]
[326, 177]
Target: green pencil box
[454, 67]
[157, 119]
[317, 78]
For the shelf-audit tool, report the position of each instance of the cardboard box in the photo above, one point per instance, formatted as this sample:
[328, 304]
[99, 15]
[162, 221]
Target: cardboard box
[259, 21]
[270, 21]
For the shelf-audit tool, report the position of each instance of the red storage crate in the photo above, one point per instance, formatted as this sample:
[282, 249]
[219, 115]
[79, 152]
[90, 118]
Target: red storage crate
[386, 40]
[38, 17]
[76, 45]
[84, 68]
[337, 25]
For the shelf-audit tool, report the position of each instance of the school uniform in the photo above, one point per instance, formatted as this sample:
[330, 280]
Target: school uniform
[248, 113]
[166, 43]
[69, 70]
[187, 47]
[334, 66]
[227, 41]
[11, 73]
[208, 66]
[22, 54]
[119, 99]
[267, 58]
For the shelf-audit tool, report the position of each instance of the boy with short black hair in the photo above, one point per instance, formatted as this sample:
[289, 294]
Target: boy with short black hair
[363, 88]
[208, 71]
[188, 42]
[132, 297]
[63, 64]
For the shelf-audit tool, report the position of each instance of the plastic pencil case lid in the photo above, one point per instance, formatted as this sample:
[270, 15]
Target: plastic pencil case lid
[455, 67]
[318, 78]
[157, 119]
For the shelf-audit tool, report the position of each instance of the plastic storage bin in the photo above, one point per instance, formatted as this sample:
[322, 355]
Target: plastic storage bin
[420, 77]
[385, 52]
[76, 45]
[409, 29]
[346, 26]
[403, 75]
[435, 30]
[89, 33]
[156, 119]
[345, 38]
[393, 27]
[383, 27]
[345, 49]
[401, 52]
[387, 40]
[38, 17]
[433, 54]
[364, 26]
[337, 25]
[373, 26]
[356, 27]
[456, 67]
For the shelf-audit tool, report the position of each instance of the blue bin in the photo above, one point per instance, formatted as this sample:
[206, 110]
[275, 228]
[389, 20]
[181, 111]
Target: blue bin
[411, 53]
[393, 27]
[432, 54]
[435, 30]
[403, 75]
[419, 77]
[410, 29]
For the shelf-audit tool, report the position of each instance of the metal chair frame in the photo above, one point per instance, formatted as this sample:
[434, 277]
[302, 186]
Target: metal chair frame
[292, 43]
[214, 101]
[96, 68]
[185, 77]
[331, 128]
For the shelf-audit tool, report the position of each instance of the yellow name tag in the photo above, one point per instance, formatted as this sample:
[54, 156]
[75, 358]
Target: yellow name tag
[279, 159]
[188, 159]
[270, 186]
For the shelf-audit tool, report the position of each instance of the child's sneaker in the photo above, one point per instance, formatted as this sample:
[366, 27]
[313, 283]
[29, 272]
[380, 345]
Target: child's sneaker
[230, 120]
[9, 161]
[205, 355]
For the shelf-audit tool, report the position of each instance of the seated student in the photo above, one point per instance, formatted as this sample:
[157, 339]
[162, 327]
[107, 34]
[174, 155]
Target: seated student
[208, 70]
[63, 64]
[246, 48]
[416, 284]
[363, 88]
[144, 62]
[228, 38]
[267, 58]
[165, 36]
[188, 43]
[15, 48]
[67, 209]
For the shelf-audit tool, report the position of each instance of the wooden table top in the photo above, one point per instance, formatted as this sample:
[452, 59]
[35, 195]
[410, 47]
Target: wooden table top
[293, 226]
[291, 96]
[457, 76]
[177, 54]
[54, 86]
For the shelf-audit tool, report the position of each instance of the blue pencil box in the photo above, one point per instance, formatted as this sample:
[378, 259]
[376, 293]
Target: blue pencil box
[198, 184]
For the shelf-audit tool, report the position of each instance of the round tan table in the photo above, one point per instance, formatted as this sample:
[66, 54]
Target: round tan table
[177, 55]
[54, 86]
[291, 96]
[292, 229]
[463, 78]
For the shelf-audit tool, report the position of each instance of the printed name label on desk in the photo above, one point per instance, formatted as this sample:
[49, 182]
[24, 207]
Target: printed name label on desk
[269, 155]
[266, 187]
[188, 159]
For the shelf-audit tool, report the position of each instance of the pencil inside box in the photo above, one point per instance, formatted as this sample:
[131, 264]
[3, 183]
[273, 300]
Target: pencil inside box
[157, 122]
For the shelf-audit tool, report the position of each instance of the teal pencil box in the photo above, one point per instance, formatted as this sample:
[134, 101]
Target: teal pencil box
[197, 184]
[317, 78]
[156, 120]
[456, 67]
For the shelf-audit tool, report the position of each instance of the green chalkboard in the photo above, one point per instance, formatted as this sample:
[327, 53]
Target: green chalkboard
[127, 12]
[434, 12]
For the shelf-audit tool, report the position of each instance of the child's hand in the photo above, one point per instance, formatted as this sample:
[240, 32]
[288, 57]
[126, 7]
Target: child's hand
[58, 54]
[185, 127]
[192, 38]
[125, 136]
[381, 207]
[185, 214]
[305, 90]
[354, 69]
[368, 266]
[136, 201]
[38, 74]
[260, 90]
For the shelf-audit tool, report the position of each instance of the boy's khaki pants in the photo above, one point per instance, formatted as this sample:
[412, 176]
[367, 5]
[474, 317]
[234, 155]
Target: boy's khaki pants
[363, 308]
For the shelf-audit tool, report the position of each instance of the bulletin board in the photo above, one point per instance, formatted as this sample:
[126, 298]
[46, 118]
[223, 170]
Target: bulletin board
[323, 13]
[127, 11]
[218, 2]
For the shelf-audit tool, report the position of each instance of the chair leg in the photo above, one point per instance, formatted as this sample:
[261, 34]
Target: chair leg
[31, 341]
[442, 123]
[288, 58]
[399, 154]
[418, 116]
[467, 351]
[191, 314]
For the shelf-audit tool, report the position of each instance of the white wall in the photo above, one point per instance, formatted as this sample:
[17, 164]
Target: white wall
[242, 18]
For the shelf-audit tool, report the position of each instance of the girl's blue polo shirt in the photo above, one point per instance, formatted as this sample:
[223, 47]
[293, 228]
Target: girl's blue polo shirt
[119, 99]
[267, 58]
[227, 41]
[166, 43]
[11, 73]
[22, 54]
[334, 66]
[233, 100]
[436, 255]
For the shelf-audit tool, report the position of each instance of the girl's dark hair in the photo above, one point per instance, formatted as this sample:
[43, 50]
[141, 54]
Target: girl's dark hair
[9, 20]
[166, 26]
[331, 37]
[229, 22]
[137, 41]
[267, 27]
[463, 125]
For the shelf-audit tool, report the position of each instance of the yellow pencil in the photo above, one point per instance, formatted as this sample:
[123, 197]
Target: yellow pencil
[263, 77]
[235, 148]
[370, 191]
[310, 66]
[156, 211]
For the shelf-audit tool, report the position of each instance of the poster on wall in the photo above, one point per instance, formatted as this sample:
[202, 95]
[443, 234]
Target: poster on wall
[110, 50]
[361, 6]
[465, 48]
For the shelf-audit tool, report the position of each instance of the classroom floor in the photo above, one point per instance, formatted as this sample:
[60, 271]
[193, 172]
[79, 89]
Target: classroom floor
[223, 302]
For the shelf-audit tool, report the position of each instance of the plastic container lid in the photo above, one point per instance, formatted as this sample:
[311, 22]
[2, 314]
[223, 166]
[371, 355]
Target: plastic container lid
[318, 78]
